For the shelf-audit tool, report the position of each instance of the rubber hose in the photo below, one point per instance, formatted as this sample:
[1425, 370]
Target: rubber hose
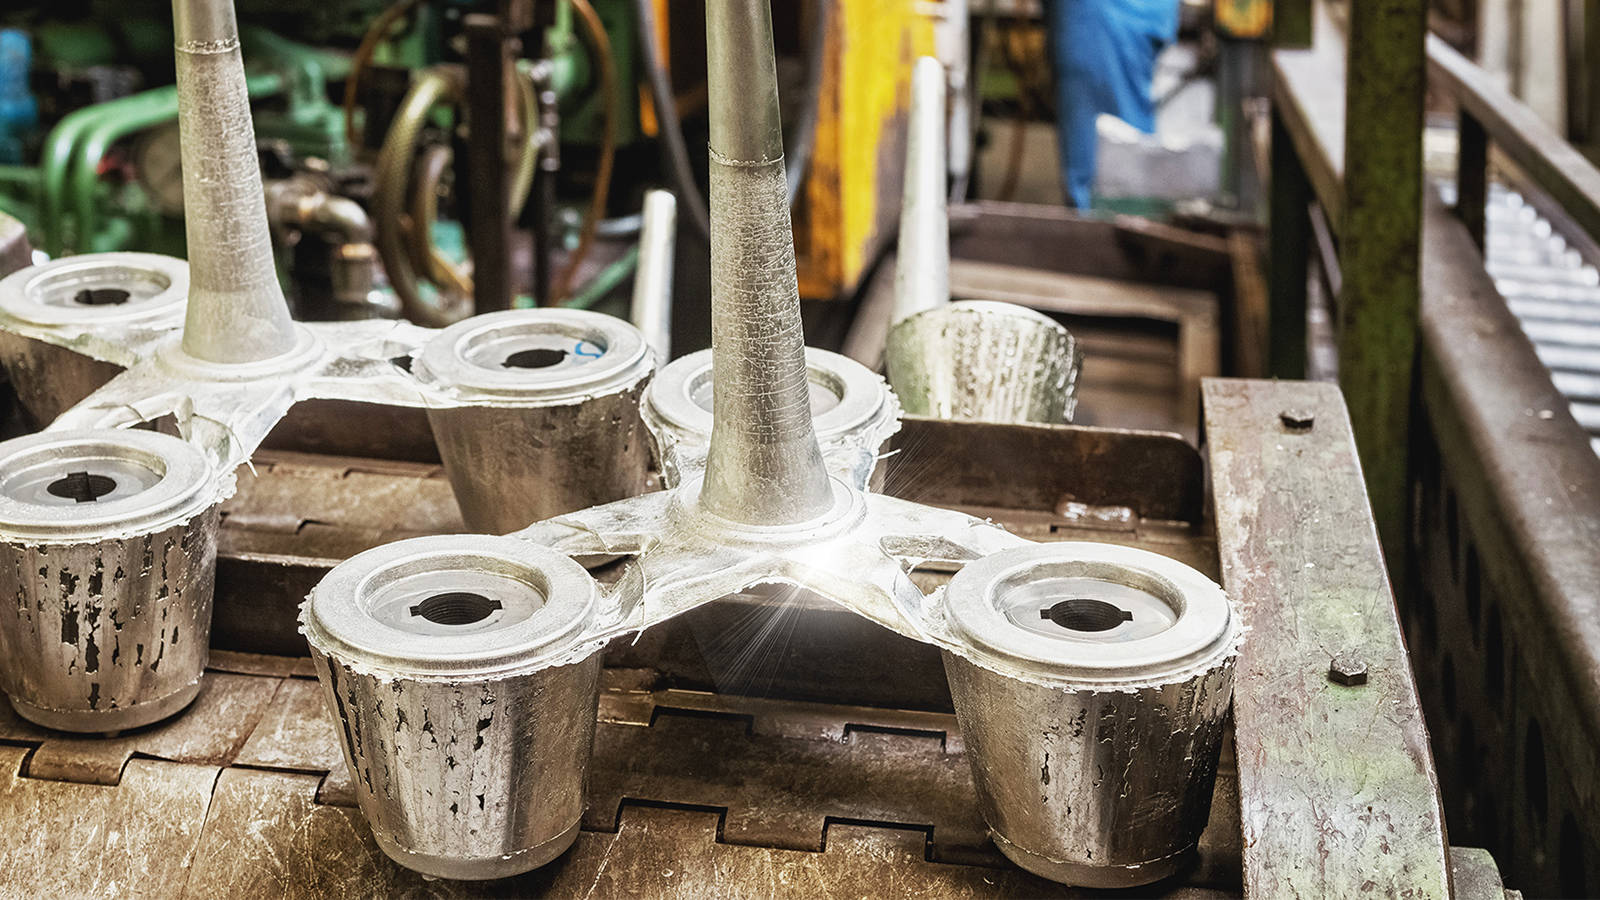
[600, 46]
[391, 177]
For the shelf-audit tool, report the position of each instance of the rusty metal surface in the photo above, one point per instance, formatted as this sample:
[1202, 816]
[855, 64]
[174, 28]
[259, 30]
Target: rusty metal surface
[73, 839]
[1337, 783]
[210, 732]
[689, 791]
[15, 251]
[1155, 475]
[1501, 616]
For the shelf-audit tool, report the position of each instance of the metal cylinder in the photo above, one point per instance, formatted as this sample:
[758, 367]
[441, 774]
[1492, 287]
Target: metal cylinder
[651, 307]
[107, 560]
[850, 404]
[993, 362]
[465, 706]
[542, 415]
[922, 264]
[237, 312]
[69, 296]
[1093, 703]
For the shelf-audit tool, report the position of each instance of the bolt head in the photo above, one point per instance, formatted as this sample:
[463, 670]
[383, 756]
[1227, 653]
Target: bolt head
[1297, 419]
[1347, 670]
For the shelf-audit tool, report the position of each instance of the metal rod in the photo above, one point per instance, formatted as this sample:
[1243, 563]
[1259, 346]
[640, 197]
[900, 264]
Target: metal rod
[651, 312]
[236, 312]
[489, 203]
[764, 466]
[1472, 175]
[922, 266]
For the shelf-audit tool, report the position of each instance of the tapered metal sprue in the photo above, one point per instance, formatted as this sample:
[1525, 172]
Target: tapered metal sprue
[236, 312]
[764, 466]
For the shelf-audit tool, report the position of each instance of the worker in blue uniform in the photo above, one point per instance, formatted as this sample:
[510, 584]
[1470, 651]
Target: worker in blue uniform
[1105, 56]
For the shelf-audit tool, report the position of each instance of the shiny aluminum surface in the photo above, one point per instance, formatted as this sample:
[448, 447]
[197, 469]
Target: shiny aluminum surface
[465, 702]
[108, 547]
[852, 409]
[547, 414]
[1096, 767]
[922, 262]
[237, 312]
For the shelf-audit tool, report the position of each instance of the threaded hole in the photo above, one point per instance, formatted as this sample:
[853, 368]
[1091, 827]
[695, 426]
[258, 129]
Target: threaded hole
[101, 296]
[82, 487]
[537, 358]
[1084, 614]
[456, 608]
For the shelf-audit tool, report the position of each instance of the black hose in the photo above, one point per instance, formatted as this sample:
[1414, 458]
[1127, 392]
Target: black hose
[802, 137]
[679, 167]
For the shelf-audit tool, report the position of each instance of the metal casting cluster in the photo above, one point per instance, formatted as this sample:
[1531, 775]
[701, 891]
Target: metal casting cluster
[1091, 681]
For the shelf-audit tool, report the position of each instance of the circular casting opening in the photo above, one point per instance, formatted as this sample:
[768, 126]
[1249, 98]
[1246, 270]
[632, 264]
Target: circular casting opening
[1085, 614]
[456, 608]
[82, 487]
[101, 297]
[52, 476]
[91, 282]
[1086, 602]
[536, 358]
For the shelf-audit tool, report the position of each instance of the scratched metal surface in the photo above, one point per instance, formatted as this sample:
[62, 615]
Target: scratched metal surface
[1337, 783]
[690, 791]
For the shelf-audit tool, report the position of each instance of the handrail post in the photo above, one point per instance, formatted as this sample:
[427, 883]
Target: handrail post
[1380, 251]
[1472, 175]
[1288, 250]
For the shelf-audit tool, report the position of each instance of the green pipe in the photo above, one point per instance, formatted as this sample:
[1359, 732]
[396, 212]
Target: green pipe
[607, 279]
[160, 105]
[56, 158]
[65, 141]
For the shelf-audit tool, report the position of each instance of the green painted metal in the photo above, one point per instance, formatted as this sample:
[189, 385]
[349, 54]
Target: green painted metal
[1291, 23]
[1380, 247]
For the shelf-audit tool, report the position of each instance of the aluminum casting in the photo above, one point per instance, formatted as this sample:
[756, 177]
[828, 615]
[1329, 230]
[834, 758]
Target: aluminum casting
[853, 411]
[978, 359]
[447, 623]
[532, 391]
[467, 718]
[1097, 770]
[995, 362]
[107, 555]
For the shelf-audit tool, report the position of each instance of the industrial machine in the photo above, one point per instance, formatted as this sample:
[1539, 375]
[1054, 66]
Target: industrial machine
[508, 603]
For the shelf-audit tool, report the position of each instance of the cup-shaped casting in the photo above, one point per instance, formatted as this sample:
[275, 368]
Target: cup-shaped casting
[545, 413]
[107, 560]
[977, 359]
[850, 405]
[99, 290]
[1093, 706]
[465, 709]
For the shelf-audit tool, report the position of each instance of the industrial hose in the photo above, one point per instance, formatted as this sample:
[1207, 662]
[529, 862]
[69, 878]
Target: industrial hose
[802, 138]
[363, 57]
[679, 168]
[600, 46]
[392, 198]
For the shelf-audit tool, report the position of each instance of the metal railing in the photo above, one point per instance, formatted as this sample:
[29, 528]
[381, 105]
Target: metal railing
[1500, 577]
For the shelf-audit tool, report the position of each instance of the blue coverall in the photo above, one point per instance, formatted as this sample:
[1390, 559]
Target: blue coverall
[1105, 55]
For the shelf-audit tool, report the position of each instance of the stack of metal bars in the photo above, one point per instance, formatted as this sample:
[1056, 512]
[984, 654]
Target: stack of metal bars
[1553, 290]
